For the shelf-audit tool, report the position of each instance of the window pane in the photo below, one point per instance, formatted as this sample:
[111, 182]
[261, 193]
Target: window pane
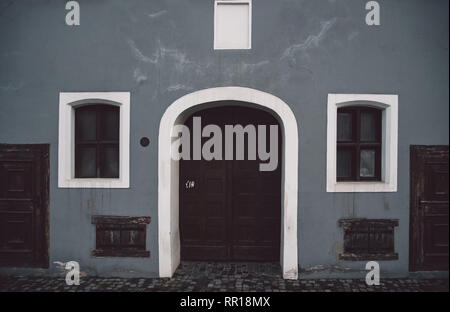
[344, 127]
[344, 163]
[367, 163]
[86, 124]
[368, 126]
[86, 162]
[110, 124]
[110, 162]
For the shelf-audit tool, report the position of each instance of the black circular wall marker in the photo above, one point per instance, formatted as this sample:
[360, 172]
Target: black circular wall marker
[145, 141]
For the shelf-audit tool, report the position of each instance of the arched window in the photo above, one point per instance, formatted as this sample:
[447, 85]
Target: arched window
[94, 140]
[97, 141]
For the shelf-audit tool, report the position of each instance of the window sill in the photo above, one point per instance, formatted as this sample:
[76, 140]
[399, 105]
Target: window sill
[362, 186]
[367, 257]
[94, 183]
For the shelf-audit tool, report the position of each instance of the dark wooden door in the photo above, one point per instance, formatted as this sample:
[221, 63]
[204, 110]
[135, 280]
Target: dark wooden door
[429, 208]
[229, 209]
[24, 205]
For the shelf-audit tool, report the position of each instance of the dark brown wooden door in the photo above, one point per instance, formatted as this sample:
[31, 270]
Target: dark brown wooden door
[429, 208]
[23, 205]
[229, 209]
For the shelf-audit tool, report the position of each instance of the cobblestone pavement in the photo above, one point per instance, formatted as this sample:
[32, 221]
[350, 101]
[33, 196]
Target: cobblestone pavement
[203, 276]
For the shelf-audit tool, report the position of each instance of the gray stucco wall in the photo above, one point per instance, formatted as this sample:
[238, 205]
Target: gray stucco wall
[161, 50]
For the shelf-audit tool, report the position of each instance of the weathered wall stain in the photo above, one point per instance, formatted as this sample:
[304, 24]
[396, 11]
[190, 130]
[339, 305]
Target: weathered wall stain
[139, 55]
[157, 14]
[312, 41]
[139, 76]
[178, 87]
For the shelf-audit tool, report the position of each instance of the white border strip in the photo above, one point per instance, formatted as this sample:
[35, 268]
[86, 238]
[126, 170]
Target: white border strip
[168, 210]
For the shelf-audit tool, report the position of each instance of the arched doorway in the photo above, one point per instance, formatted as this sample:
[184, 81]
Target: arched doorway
[230, 209]
[168, 174]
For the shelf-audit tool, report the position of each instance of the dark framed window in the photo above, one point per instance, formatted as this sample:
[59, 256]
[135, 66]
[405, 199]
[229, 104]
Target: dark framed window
[97, 141]
[358, 144]
[368, 239]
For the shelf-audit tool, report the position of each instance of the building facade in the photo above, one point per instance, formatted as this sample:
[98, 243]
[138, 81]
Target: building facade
[92, 94]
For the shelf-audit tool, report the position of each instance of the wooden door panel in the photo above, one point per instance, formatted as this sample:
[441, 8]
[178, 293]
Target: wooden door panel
[215, 230]
[436, 181]
[202, 204]
[191, 232]
[256, 205]
[270, 237]
[17, 205]
[436, 235]
[234, 210]
[17, 181]
[429, 246]
[268, 207]
[16, 231]
[23, 205]
[245, 230]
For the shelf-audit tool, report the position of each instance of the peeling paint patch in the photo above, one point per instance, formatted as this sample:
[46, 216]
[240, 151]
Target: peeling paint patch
[243, 68]
[311, 42]
[179, 58]
[252, 67]
[157, 14]
[179, 87]
[139, 76]
[139, 55]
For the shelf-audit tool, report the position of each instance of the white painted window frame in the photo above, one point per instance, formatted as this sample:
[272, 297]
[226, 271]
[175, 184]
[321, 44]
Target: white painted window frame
[218, 2]
[68, 101]
[389, 105]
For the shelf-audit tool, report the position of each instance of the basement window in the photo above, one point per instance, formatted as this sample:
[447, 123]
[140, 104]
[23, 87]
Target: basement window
[232, 24]
[368, 239]
[118, 236]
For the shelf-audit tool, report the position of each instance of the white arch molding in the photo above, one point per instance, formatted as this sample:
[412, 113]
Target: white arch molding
[168, 198]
